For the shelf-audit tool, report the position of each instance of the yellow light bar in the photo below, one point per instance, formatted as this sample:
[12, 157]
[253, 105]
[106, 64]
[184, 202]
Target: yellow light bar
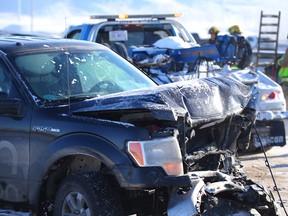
[177, 14]
[135, 16]
[123, 16]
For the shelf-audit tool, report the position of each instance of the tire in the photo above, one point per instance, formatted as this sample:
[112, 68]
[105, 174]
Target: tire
[245, 55]
[86, 194]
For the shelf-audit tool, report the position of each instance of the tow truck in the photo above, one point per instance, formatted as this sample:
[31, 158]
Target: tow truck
[165, 50]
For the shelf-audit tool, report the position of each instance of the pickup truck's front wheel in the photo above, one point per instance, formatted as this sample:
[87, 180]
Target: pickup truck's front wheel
[86, 194]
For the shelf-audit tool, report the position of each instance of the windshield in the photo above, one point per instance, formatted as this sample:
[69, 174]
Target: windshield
[141, 34]
[79, 74]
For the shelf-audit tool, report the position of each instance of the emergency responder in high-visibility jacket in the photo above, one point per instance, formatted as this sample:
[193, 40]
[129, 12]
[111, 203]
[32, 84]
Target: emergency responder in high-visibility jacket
[213, 31]
[283, 63]
[283, 74]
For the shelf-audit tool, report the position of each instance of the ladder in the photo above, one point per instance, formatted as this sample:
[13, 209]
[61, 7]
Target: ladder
[268, 42]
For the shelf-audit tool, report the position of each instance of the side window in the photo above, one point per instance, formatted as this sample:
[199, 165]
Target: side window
[74, 34]
[5, 81]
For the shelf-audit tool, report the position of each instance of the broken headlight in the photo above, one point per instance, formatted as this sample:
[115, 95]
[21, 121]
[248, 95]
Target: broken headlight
[164, 152]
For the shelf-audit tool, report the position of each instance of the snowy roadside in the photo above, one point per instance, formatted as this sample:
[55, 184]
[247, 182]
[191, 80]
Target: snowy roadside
[257, 170]
[13, 213]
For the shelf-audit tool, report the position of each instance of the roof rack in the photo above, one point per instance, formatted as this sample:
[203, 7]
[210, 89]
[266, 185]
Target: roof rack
[135, 16]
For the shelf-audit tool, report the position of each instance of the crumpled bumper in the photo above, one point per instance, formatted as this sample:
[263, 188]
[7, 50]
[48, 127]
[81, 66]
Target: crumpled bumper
[243, 193]
[271, 115]
[182, 204]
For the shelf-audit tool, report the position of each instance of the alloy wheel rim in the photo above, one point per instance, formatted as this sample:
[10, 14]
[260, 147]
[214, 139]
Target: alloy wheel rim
[75, 204]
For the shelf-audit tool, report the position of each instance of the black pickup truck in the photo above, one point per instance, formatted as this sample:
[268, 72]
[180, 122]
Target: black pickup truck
[84, 132]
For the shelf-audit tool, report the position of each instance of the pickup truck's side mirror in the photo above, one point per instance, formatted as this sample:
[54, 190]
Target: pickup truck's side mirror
[13, 107]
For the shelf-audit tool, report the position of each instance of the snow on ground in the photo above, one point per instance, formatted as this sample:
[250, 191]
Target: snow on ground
[13, 213]
[257, 170]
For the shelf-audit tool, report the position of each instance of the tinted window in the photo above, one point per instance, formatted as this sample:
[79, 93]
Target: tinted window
[138, 35]
[5, 81]
[74, 34]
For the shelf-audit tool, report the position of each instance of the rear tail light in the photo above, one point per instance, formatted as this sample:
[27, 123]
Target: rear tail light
[264, 97]
[272, 95]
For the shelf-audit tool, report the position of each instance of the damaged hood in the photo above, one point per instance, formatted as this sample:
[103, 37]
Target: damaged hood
[201, 100]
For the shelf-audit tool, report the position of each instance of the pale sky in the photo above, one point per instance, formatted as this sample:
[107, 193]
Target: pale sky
[54, 16]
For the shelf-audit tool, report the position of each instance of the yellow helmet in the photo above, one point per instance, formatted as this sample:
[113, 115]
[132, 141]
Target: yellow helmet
[213, 29]
[234, 30]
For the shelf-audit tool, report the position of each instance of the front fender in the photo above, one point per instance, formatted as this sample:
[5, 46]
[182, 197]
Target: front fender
[117, 161]
[73, 144]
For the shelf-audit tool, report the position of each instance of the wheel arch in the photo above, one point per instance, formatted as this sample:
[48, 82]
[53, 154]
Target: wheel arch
[76, 152]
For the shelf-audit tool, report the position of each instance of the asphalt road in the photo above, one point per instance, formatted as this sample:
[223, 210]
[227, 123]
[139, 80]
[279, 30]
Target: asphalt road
[277, 158]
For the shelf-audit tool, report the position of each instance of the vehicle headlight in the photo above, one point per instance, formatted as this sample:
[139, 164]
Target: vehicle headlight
[164, 152]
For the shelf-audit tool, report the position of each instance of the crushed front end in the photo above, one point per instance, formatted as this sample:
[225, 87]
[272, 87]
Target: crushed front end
[219, 184]
[207, 118]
